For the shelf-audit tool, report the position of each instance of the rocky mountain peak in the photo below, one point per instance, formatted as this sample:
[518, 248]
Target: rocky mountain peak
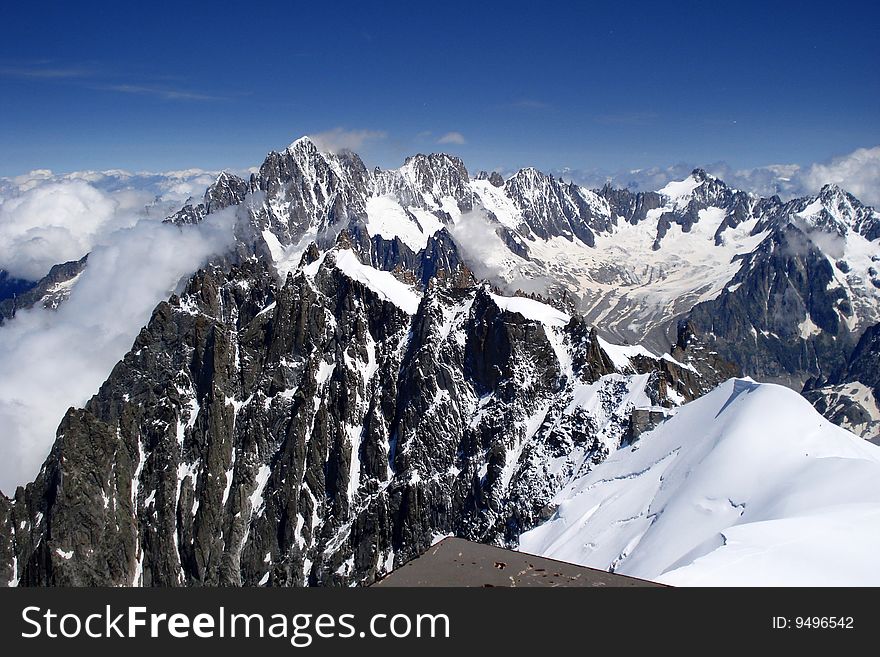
[838, 201]
[435, 172]
[435, 182]
[552, 209]
[836, 211]
[700, 175]
[530, 177]
[832, 192]
[318, 406]
[227, 190]
[494, 178]
[303, 144]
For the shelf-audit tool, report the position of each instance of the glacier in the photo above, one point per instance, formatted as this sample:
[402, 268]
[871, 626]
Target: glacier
[745, 486]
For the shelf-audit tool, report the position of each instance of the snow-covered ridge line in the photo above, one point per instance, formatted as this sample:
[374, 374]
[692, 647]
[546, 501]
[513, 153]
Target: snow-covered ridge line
[747, 485]
[532, 309]
[383, 283]
[681, 249]
[407, 298]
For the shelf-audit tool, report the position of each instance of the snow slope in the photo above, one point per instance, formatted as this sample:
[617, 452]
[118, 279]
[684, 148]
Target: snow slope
[631, 274]
[387, 218]
[627, 287]
[747, 485]
[531, 309]
[382, 283]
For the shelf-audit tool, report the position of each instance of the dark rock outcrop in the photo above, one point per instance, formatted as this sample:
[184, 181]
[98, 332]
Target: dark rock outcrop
[49, 291]
[313, 432]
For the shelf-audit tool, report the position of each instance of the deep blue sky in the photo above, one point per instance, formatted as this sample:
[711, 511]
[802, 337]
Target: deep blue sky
[605, 84]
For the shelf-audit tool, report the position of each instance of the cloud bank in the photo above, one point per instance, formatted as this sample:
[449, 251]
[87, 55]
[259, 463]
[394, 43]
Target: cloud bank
[452, 138]
[857, 172]
[340, 139]
[52, 360]
[46, 219]
[489, 258]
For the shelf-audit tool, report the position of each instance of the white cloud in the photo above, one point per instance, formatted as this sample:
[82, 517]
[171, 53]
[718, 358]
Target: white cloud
[857, 172]
[340, 139]
[165, 93]
[52, 360]
[452, 138]
[489, 258]
[55, 223]
[478, 240]
[46, 218]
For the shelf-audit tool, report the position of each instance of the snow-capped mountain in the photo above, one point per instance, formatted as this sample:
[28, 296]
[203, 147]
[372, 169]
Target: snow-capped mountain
[323, 429]
[849, 397]
[49, 291]
[634, 265]
[49, 222]
[389, 356]
[799, 507]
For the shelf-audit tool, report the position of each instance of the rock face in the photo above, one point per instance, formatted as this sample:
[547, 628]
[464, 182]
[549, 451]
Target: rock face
[339, 390]
[864, 363]
[11, 286]
[850, 396]
[49, 291]
[801, 299]
[781, 317]
[643, 420]
[551, 208]
[314, 432]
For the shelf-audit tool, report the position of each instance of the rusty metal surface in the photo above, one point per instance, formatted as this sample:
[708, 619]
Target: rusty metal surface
[457, 562]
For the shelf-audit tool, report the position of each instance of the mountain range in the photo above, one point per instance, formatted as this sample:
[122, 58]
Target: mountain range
[387, 357]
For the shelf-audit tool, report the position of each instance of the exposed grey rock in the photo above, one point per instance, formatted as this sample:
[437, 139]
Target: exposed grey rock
[436, 175]
[757, 321]
[495, 178]
[839, 211]
[632, 206]
[11, 286]
[50, 291]
[311, 432]
[643, 420]
[850, 396]
[552, 208]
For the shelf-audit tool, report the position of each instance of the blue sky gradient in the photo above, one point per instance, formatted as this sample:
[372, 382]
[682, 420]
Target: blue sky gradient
[160, 85]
